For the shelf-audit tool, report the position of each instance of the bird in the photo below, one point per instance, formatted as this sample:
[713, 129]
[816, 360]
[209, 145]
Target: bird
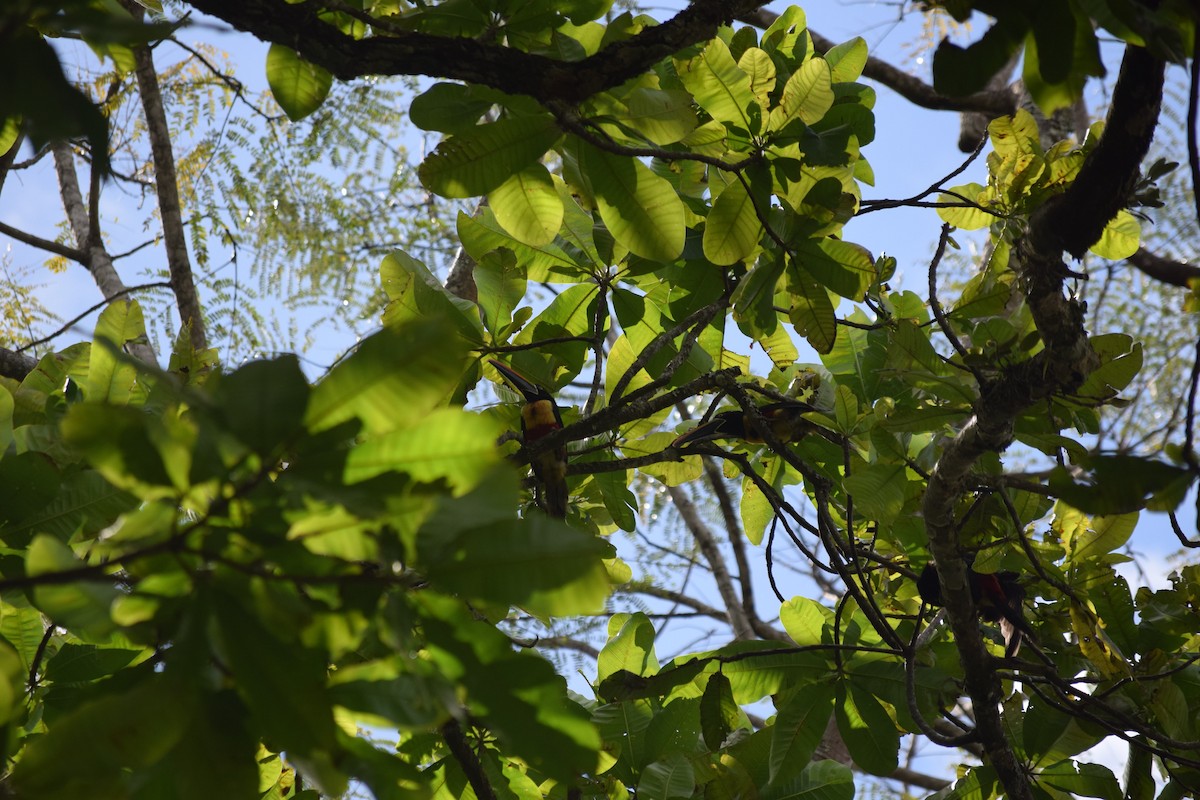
[541, 416]
[786, 421]
[998, 597]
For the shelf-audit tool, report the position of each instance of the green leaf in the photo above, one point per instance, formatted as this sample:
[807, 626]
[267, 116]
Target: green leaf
[805, 620]
[448, 108]
[719, 714]
[798, 730]
[393, 380]
[82, 607]
[878, 490]
[754, 299]
[630, 647]
[868, 731]
[1121, 237]
[123, 444]
[501, 283]
[103, 739]
[820, 780]
[263, 402]
[640, 209]
[282, 683]
[663, 780]
[732, 229]
[80, 663]
[298, 86]
[109, 378]
[28, 481]
[807, 95]
[1105, 535]
[811, 311]
[1088, 780]
[967, 218]
[843, 267]
[476, 548]
[1118, 484]
[846, 60]
[755, 62]
[478, 160]
[527, 205]
[449, 443]
[415, 294]
[720, 87]
[756, 512]
[217, 734]
[662, 116]
[482, 234]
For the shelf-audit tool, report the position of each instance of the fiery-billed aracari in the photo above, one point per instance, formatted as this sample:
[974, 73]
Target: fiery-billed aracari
[998, 597]
[786, 421]
[540, 416]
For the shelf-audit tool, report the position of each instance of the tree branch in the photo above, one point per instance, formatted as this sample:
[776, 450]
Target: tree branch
[464, 59]
[166, 185]
[1070, 222]
[96, 259]
[1175, 273]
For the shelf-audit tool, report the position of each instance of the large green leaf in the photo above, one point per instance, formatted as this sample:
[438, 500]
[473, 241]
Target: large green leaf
[630, 647]
[282, 682]
[868, 731]
[476, 547]
[393, 380]
[88, 752]
[640, 209]
[480, 159]
[527, 205]
[1121, 237]
[807, 95]
[449, 443]
[798, 729]
[811, 311]
[263, 402]
[127, 446]
[111, 379]
[732, 229]
[415, 294]
[820, 780]
[670, 778]
[519, 696]
[720, 87]
[298, 86]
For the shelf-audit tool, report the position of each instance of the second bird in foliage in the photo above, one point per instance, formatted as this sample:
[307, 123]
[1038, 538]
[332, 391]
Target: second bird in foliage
[785, 419]
[540, 416]
[997, 595]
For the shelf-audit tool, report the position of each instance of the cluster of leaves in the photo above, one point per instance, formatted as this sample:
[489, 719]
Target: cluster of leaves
[239, 564]
[1058, 41]
[244, 554]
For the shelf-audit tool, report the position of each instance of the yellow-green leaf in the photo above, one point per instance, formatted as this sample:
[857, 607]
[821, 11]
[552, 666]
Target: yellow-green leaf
[528, 206]
[298, 86]
[1121, 238]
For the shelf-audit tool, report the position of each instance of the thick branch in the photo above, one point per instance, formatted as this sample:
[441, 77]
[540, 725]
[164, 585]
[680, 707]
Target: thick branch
[167, 186]
[1175, 273]
[15, 365]
[98, 261]
[707, 542]
[1072, 222]
[463, 59]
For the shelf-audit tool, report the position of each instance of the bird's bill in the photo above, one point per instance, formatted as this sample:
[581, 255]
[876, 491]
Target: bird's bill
[530, 390]
[713, 429]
